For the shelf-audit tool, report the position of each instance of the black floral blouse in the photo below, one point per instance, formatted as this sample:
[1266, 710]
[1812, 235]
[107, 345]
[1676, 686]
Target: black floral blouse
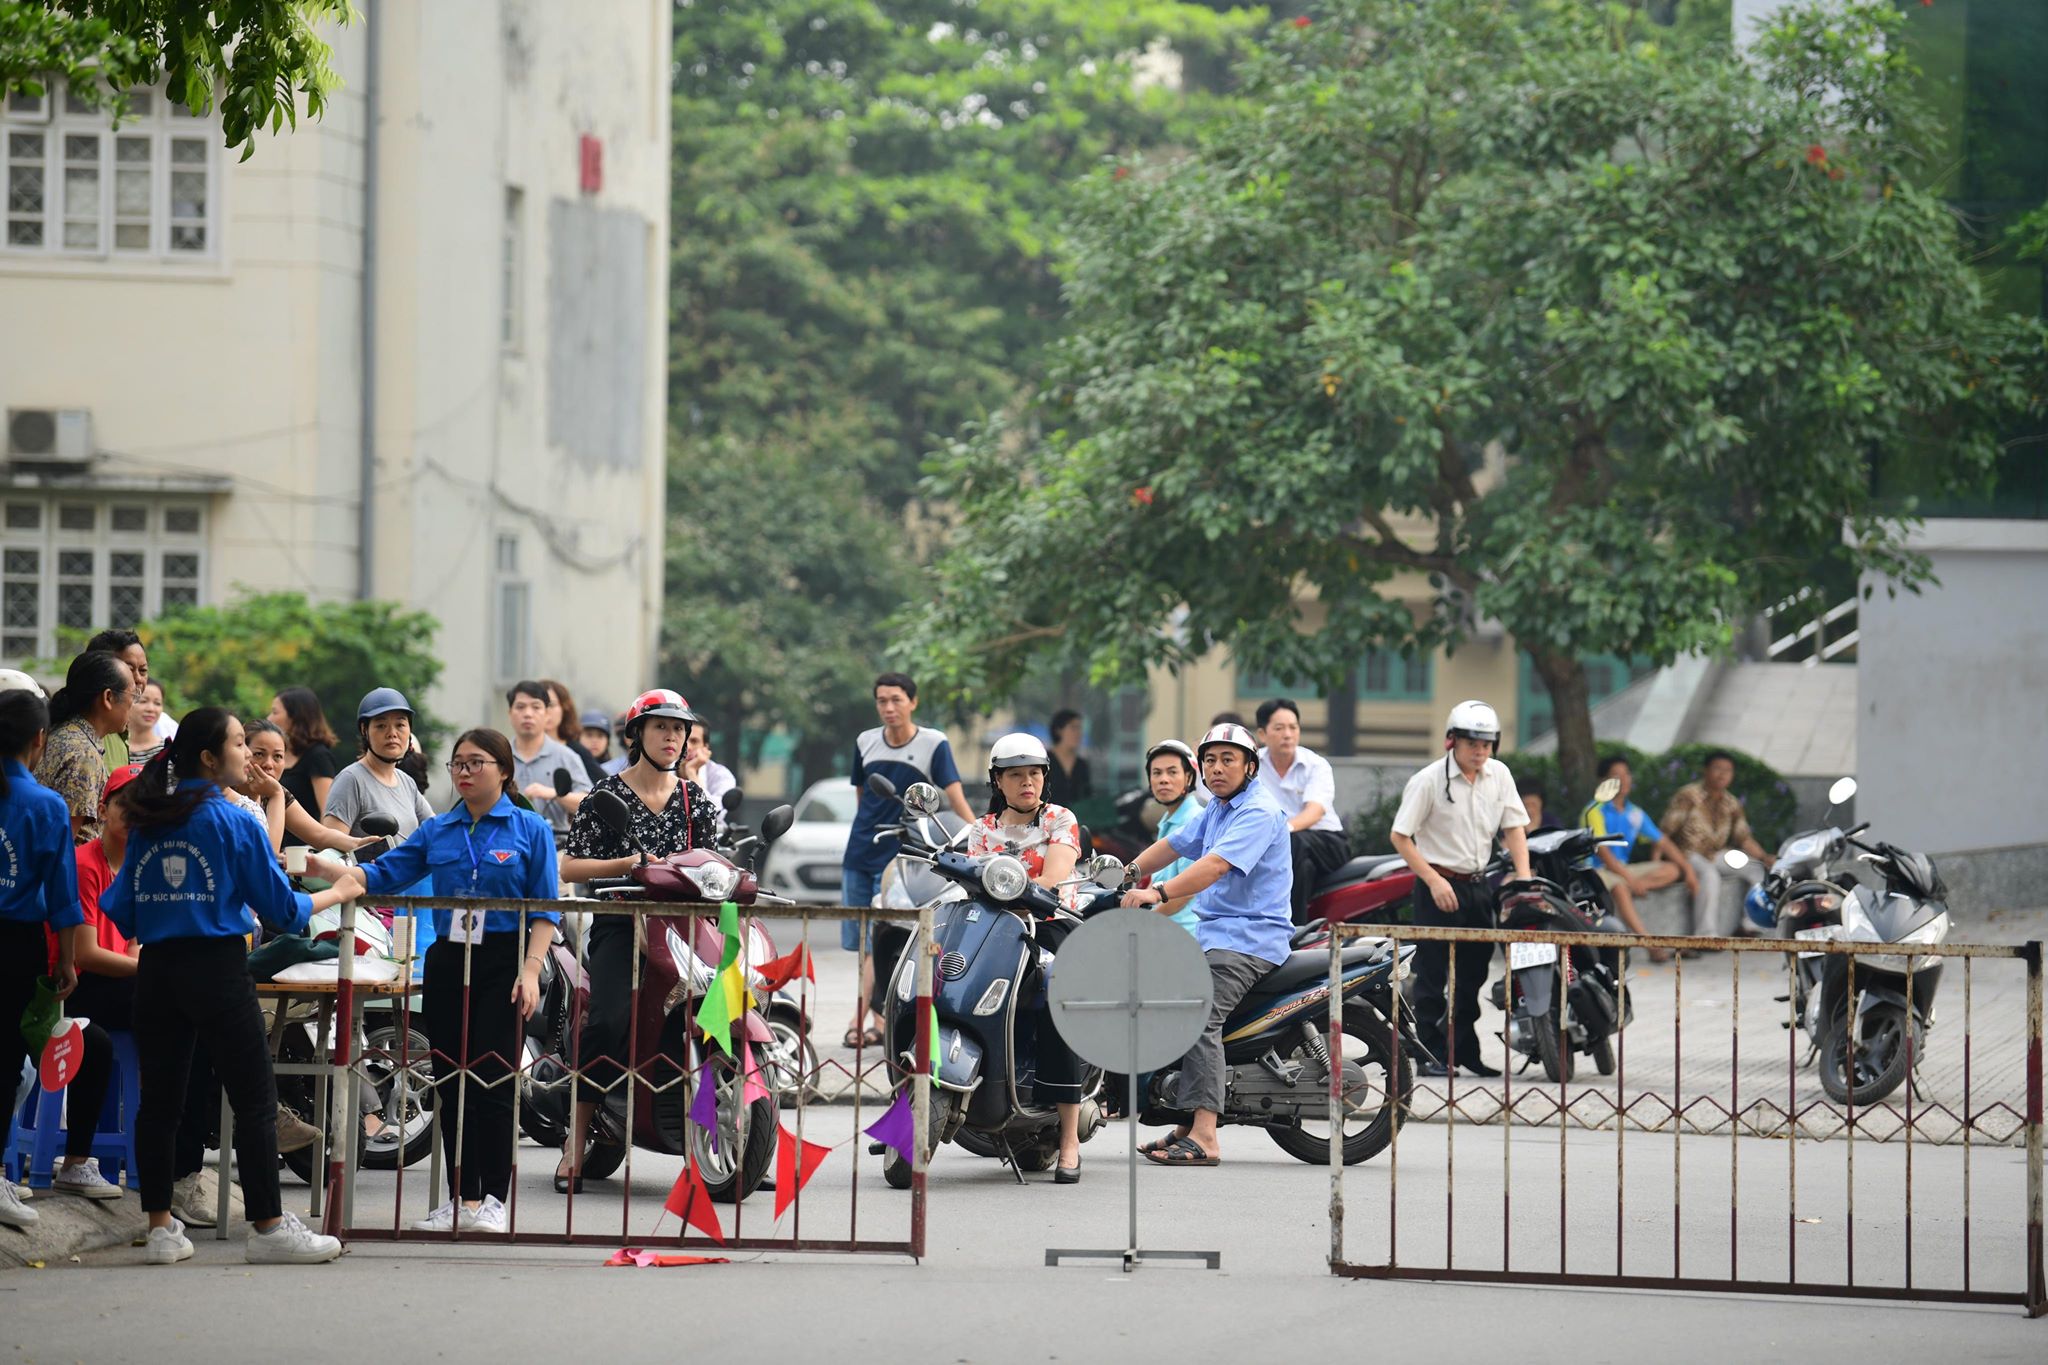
[686, 823]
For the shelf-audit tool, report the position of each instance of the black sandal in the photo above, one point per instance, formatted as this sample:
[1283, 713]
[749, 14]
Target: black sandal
[564, 1184]
[1183, 1151]
[1158, 1144]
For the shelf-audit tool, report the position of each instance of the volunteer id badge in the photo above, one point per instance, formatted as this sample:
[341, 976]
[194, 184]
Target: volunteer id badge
[467, 926]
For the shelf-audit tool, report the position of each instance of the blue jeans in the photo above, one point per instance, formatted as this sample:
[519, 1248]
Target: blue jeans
[857, 888]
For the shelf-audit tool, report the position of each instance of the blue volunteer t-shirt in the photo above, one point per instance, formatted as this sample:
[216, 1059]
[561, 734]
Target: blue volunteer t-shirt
[926, 758]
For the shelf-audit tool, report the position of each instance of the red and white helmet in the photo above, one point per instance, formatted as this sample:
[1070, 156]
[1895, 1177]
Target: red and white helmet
[660, 702]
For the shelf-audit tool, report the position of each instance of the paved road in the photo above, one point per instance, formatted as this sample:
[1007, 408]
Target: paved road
[984, 1294]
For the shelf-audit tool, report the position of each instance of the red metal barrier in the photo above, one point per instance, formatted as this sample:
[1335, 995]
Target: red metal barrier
[658, 1080]
[1695, 1113]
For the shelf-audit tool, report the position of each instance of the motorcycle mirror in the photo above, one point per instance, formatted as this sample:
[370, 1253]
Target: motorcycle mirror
[378, 823]
[564, 784]
[730, 802]
[611, 812]
[881, 786]
[1844, 788]
[777, 824]
[1607, 791]
[1107, 871]
[1736, 859]
[923, 798]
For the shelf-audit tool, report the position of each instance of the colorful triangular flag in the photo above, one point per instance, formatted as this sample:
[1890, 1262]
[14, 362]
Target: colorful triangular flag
[704, 1104]
[691, 1202]
[726, 999]
[755, 1088]
[898, 1127]
[780, 971]
[795, 1161]
[636, 1257]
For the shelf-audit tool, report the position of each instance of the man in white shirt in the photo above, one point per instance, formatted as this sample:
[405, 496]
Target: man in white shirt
[1300, 780]
[1450, 813]
[537, 757]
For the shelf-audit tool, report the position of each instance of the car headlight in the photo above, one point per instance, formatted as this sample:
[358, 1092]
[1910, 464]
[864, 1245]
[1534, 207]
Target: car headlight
[717, 881]
[1004, 877]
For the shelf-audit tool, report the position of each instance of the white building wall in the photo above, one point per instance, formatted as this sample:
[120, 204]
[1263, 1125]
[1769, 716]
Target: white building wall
[1951, 747]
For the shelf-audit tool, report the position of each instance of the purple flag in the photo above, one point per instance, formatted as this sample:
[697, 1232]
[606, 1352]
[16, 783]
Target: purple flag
[704, 1105]
[897, 1128]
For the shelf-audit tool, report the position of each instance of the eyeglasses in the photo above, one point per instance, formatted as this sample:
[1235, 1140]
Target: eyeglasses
[462, 766]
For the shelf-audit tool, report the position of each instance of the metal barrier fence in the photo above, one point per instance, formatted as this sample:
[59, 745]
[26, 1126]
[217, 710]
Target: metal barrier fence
[657, 1079]
[1526, 1113]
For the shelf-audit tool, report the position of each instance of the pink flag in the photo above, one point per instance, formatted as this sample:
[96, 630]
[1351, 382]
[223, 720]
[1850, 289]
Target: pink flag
[754, 1089]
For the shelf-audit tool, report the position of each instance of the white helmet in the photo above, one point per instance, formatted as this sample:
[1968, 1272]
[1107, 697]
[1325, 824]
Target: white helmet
[1473, 720]
[1018, 751]
[14, 680]
[1230, 734]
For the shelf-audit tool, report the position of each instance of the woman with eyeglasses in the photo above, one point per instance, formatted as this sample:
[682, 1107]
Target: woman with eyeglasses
[483, 972]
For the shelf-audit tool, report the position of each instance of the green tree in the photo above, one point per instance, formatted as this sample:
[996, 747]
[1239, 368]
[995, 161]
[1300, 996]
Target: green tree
[241, 655]
[864, 201]
[1621, 325]
[257, 56]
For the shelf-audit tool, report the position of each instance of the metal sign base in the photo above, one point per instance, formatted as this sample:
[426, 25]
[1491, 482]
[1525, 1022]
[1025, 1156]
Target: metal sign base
[1132, 1256]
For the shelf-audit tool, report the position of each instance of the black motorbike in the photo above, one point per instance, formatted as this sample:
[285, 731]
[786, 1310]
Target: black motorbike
[1570, 1001]
[1874, 1026]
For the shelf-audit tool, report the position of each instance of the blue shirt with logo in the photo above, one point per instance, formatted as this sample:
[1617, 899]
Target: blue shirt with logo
[38, 875]
[926, 758]
[508, 854]
[1626, 821]
[201, 878]
[1249, 909]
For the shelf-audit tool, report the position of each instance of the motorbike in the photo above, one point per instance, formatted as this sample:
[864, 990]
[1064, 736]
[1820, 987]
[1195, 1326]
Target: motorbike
[1378, 888]
[990, 982]
[1570, 1001]
[680, 954]
[785, 1009]
[1874, 1036]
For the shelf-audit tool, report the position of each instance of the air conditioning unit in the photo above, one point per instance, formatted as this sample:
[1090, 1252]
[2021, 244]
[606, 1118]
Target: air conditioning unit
[49, 436]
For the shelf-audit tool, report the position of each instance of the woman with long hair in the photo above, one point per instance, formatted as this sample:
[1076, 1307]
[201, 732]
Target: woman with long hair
[39, 898]
[268, 760]
[309, 766]
[483, 972]
[98, 690]
[194, 869]
[565, 724]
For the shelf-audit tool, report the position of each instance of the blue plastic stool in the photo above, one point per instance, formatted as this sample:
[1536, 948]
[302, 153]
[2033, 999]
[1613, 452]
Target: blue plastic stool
[114, 1142]
[11, 1163]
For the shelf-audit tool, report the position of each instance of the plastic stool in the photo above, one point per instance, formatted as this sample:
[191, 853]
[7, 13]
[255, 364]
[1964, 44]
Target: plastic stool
[41, 1131]
[11, 1162]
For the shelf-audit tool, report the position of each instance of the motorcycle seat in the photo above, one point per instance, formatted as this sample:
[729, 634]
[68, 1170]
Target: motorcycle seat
[1369, 868]
[1311, 965]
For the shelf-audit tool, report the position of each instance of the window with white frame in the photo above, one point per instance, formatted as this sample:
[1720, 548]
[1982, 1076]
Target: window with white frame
[515, 613]
[76, 186]
[81, 563]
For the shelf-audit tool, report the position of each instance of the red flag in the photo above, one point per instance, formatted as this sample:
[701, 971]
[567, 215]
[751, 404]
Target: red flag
[691, 1202]
[795, 1162]
[779, 972]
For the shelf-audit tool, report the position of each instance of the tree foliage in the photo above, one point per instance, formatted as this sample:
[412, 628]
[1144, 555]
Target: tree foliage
[257, 57]
[243, 654]
[864, 201]
[1620, 324]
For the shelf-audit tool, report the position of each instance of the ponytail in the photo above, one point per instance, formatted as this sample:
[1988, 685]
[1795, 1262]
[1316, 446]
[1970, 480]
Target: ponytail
[23, 716]
[91, 676]
[154, 800]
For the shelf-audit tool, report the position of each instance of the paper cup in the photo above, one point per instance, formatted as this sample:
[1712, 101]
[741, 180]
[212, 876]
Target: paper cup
[295, 860]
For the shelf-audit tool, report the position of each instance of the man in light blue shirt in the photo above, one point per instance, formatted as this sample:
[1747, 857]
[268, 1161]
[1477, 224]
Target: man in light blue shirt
[1170, 773]
[1243, 868]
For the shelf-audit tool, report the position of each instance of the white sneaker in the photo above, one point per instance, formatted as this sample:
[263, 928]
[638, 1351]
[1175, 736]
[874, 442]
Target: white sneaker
[450, 1217]
[290, 1242]
[491, 1216]
[13, 1212]
[168, 1245]
[84, 1179]
[192, 1202]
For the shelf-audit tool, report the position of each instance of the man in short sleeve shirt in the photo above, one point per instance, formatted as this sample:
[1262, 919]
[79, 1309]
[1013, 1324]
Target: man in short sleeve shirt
[1450, 813]
[1243, 876]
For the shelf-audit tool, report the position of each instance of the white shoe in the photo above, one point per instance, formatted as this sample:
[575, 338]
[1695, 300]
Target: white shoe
[491, 1216]
[451, 1216]
[84, 1180]
[13, 1212]
[168, 1245]
[192, 1202]
[290, 1242]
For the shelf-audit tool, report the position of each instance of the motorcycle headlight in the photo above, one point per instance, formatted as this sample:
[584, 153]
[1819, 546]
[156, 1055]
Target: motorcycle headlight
[717, 881]
[1004, 877]
[906, 977]
[1930, 933]
[992, 998]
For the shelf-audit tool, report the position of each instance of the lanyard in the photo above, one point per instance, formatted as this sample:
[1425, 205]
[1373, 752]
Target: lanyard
[475, 860]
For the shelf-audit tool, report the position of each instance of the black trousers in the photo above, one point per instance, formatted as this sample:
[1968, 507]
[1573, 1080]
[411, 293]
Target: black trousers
[1317, 853]
[110, 1000]
[24, 953]
[477, 1030]
[1476, 902]
[190, 991]
[1059, 1072]
[608, 1013]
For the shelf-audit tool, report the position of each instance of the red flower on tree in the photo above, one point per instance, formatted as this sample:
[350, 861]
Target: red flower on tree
[1816, 154]
[1301, 21]
[1122, 172]
[1142, 496]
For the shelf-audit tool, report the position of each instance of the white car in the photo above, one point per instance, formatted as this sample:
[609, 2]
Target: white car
[804, 863]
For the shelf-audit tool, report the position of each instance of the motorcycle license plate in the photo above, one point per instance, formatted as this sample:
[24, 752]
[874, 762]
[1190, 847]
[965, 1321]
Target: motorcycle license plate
[1818, 932]
[1522, 955]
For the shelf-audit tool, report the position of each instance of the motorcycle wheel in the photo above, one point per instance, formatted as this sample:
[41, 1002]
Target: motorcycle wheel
[1559, 1058]
[409, 1140]
[296, 1094]
[1369, 1044]
[896, 1170]
[540, 1112]
[791, 1081]
[602, 1159]
[1879, 1066]
[1602, 1051]
[727, 1179]
[1038, 1156]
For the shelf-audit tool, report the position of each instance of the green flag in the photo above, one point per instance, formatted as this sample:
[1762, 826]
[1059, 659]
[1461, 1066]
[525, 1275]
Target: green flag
[727, 996]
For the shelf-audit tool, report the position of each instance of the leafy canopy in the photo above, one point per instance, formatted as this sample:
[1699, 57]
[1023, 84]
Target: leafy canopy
[1597, 334]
